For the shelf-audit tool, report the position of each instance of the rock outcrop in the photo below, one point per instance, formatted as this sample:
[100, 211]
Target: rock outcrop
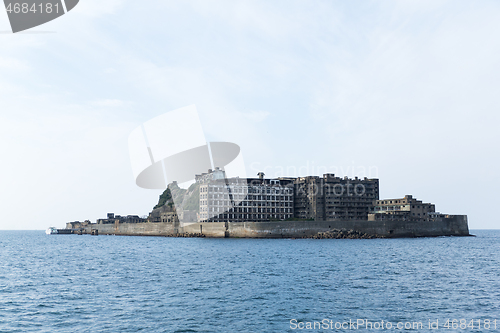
[341, 234]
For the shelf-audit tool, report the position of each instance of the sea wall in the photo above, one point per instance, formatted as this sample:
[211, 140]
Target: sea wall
[133, 229]
[450, 225]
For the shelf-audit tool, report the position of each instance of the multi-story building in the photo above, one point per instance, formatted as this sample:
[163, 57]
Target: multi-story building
[407, 208]
[245, 199]
[309, 198]
[334, 198]
[112, 218]
[210, 175]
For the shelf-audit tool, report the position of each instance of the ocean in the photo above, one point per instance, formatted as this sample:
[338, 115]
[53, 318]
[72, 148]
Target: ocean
[71, 283]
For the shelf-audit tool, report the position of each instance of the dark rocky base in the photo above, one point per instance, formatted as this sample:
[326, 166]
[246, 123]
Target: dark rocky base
[342, 234]
[187, 235]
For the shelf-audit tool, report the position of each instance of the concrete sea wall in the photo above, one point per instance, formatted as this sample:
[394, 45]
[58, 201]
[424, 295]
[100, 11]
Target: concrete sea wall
[450, 225]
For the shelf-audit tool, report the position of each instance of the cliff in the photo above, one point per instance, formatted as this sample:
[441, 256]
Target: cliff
[176, 201]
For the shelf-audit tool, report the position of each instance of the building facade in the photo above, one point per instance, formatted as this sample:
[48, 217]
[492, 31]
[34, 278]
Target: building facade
[303, 198]
[246, 199]
[407, 208]
[112, 218]
[216, 174]
[334, 198]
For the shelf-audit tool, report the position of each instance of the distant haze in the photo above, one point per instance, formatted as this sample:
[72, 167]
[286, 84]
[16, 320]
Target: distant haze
[405, 91]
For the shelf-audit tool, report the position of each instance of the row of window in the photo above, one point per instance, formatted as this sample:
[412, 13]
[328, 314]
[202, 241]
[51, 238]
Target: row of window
[228, 203]
[245, 217]
[390, 202]
[396, 207]
[245, 190]
[248, 197]
[349, 203]
[246, 210]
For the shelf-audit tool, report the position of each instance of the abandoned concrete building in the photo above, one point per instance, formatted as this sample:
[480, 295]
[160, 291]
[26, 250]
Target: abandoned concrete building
[326, 198]
[112, 218]
[407, 208]
[334, 198]
[246, 199]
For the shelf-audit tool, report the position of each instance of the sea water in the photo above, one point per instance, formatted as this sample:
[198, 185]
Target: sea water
[72, 283]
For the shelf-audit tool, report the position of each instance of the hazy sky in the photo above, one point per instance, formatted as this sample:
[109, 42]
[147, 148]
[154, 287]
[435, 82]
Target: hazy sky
[406, 91]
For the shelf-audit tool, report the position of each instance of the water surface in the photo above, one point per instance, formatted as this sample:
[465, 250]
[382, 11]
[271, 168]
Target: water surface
[71, 283]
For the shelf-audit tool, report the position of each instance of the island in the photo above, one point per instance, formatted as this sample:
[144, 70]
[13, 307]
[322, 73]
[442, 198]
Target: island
[286, 207]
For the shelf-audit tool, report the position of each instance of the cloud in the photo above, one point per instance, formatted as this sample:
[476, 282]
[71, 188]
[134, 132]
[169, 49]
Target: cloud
[112, 103]
[96, 8]
[12, 64]
[406, 86]
[256, 116]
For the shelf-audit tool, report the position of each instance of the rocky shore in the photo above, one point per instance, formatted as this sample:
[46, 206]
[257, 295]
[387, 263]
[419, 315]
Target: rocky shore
[341, 234]
[186, 235]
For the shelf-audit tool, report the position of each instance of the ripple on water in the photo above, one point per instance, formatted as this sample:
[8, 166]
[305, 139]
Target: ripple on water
[143, 284]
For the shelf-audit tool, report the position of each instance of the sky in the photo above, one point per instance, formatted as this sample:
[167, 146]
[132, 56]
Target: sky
[403, 91]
